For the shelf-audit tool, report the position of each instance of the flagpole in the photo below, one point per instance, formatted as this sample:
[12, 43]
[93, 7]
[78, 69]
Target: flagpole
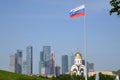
[79, 11]
[85, 46]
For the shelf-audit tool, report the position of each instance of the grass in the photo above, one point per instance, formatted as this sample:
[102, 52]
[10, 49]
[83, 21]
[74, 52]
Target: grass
[5, 75]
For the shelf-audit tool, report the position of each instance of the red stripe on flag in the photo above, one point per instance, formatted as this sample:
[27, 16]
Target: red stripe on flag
[77, 15]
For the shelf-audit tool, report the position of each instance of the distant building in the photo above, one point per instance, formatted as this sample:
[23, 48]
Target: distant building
[47, 51]
[15, 64]
[83, 62]
[29, 59]
[64, 64]
[91, 67]
[57, 70]
[24, 68]
[12, 62]
[52, 67]
[18, 61]
[44, 63]
[41, 64]
[70, 61]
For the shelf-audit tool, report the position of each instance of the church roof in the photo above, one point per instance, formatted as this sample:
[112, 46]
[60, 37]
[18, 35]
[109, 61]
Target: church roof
[78, 54]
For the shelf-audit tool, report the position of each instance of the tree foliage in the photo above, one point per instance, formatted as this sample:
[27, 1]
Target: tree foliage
[91, 77]
[106, 77]
[117, 72]
[70, 77]
[116, 6]
[74, 77]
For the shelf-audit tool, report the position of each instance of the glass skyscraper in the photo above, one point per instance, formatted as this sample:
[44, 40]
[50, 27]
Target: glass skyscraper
[57, 70]
[24, 68]
[41, 63]
[15, 64]
[44, 64]
[12, 62]
[70, 61]
[52, 67]
[18, 61]
[64, 64]
[29, 59]
[46, 51]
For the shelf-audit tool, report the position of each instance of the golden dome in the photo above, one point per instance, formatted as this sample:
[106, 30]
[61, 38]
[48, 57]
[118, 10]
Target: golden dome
[78, 54]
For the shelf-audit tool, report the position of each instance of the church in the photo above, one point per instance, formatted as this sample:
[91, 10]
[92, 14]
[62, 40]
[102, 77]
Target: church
[78, 68]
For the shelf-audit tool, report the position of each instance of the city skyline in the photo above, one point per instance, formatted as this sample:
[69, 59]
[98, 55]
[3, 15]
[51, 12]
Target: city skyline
[47, 65]
[42, 22]
[21, 65]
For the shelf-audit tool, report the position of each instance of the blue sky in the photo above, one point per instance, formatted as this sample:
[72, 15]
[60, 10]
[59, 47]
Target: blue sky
[46, 22]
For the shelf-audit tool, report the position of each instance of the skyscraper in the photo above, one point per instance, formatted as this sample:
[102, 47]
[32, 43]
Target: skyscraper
[91, 67]
[44, 64]
[70, 61]
[15, 64]
[29, 59]
[18, 62]
[52, 64]
[41, 64]
[57, 70]
[83, 62]
[64, 64]
[46, 51]
[12, 62]
[24, 68]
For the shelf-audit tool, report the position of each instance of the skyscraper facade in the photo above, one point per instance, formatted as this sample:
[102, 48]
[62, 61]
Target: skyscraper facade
[52, 68]
[70, 61]
[46, 51]
[24, 68]
[41, 64]
[15, 64]
[12, 62]
[18, 61]
[64, 64]
[57, 70]
[29, 59]
[91, 67]
[44, 64]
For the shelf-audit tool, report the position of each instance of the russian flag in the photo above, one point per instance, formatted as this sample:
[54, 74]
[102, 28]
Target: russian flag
[76, 12]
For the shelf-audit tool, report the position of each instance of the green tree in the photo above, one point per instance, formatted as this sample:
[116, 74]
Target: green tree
[117, 72]
[53, 78]
[91, 77]
[106, 77]
[69, 77]
[116, 6]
